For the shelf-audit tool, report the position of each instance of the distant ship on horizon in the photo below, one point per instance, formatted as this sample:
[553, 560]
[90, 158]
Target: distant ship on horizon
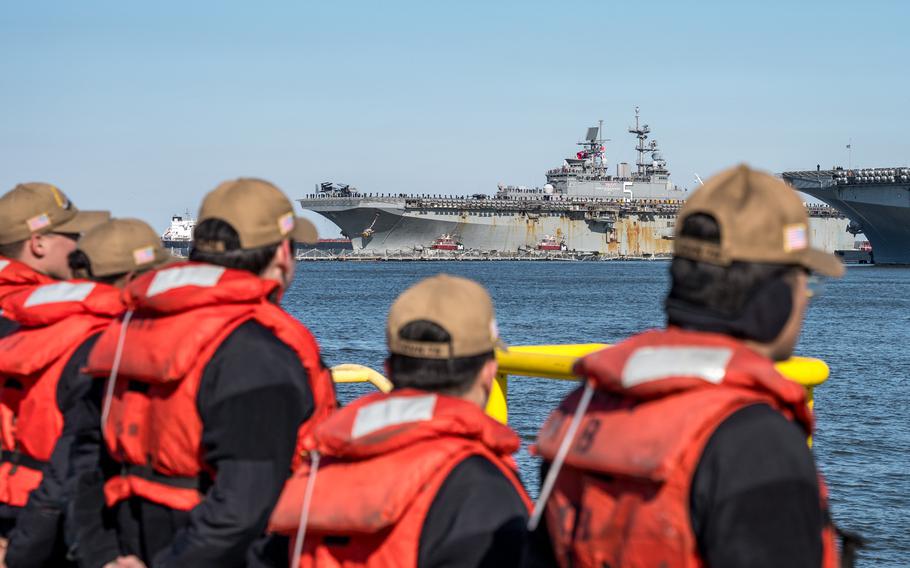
[583, 206]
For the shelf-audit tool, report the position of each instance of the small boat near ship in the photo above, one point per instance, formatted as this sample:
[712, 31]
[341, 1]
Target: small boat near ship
[549, 243]
[447, 242]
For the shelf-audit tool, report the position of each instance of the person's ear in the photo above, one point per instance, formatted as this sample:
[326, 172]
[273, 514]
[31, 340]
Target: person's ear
[281, 268]
[283, 255]
[37, 245]
[488, 374]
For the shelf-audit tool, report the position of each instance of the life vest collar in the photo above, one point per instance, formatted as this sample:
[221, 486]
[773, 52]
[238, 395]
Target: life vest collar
[380, 423]
[189, 285]
[47, 304]
[657, 363]
[14, 275]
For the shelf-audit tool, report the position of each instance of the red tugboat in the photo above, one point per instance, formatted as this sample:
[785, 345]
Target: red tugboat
[447, 242]
[549, 243]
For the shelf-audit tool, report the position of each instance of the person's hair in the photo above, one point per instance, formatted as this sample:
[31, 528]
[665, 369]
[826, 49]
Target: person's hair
[745, 299]
[81, 266]
[13, 250]
[453, 376]
[216, 231]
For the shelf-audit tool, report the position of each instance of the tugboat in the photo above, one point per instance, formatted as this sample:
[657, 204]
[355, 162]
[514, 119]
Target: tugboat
[447, 242]
[549, 243]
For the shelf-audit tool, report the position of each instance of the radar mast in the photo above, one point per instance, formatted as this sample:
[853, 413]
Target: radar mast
[593, 147]
[641, 132]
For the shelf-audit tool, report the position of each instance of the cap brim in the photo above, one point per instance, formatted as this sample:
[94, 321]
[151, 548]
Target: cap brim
[304, 232]
[82, 222]
[823, 263]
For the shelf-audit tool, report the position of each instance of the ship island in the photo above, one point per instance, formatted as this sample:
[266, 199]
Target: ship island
[585, 206]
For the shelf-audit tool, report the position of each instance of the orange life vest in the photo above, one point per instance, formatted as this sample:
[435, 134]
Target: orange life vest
[15, 275]
[180, 315]
[387, 456]
[622, 497]
[54, 320]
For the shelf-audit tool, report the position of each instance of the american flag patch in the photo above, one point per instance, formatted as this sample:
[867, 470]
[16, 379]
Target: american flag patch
[38, 222]
[144, 255]
[286, 223]
[795, 237]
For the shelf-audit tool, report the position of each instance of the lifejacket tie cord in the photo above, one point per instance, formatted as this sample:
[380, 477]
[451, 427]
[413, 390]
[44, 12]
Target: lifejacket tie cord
[560, 457]
[115, 367]
[305, 509]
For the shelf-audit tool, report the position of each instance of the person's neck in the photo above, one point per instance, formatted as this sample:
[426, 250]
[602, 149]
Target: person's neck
[766, 350]
[33, 263]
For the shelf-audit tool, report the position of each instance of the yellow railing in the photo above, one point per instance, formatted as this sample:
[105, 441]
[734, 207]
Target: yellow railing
[352, 373]
[556, 362]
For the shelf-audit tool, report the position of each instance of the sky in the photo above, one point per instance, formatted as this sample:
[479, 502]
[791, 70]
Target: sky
[141, 108]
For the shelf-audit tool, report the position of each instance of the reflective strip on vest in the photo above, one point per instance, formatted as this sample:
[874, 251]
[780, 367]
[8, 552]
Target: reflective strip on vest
[204, 275]
[392, 411]
[3, 264]
[656, 363]
[62, 292]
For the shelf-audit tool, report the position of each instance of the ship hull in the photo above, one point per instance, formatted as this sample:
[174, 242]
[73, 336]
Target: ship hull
[882, 211]
[385, 227]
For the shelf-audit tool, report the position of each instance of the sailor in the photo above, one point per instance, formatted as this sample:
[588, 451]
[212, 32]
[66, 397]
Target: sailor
[685, 446]
[420, 476]
[207, 384]
[41, 362]
[39, 227]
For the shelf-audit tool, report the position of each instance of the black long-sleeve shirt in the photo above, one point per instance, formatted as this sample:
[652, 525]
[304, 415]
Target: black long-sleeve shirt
[754, 500]
[7, 326]
[477, 519]
[38, 536]
[253, 396]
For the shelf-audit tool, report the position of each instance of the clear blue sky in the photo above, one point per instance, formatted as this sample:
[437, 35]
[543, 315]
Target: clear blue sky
[143, 107]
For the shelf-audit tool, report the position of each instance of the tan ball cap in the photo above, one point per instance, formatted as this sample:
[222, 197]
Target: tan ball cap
[260, 213]
[761, 219]
[460, 306]
[123, 245]
[42, 208]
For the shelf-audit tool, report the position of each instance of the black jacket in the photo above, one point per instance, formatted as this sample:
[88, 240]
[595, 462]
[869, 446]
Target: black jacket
[38, 537]
[253, 396]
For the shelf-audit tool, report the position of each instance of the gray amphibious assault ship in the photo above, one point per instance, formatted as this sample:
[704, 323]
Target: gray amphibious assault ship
[582, 207]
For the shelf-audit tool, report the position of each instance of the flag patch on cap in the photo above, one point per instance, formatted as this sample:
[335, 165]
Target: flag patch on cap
[286, 223]
[144, 255]
[38, 222]
[795, 237]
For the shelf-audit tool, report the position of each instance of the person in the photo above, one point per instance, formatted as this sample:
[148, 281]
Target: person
[687, 447]
[208, 385]
[39, 227]
[420, 476]
[58, 325]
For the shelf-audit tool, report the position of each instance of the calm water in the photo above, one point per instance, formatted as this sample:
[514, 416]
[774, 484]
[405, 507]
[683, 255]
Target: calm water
[860, 326]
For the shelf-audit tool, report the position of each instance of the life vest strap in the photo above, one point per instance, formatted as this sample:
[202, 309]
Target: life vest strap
[17, 458]
[149, 473]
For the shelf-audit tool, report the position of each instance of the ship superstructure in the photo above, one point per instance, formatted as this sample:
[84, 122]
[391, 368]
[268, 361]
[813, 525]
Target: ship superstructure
[178, 237]
[876, 200]
[583, 205]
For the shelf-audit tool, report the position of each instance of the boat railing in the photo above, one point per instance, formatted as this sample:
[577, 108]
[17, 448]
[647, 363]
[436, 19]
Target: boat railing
[556, 362]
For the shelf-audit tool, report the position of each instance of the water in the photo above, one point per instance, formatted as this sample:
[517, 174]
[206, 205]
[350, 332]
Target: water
[859, 326]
